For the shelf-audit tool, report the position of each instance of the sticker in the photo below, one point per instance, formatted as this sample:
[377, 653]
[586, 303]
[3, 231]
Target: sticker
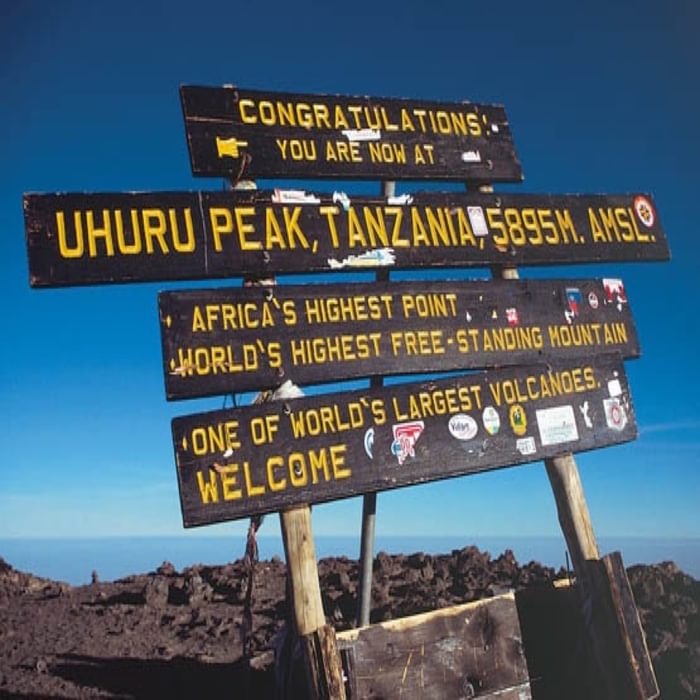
[471, 157]
[343, 199]
[399, 200]
[362, 134]
[526, 446]
[614, 387]
[491, 420]
[518, 419]
[557, 425]
[405, 438]
[615, 414]
[462, 426]
[478, 221]
[369, 442]
[294, 197]
[512, 317]
[614, 292]
[382, 257]
[645, 212]
[583, 409]
[573, 298]
[593, 300]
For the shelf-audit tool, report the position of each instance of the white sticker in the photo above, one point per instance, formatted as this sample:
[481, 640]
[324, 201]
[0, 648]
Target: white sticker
[399, 200]
[462, 427]
[478, 221]
[369, 443]
[362, 134]
[471, 157]
[557, 425]
[615, 414]
[382, 257]
[584, 413]
[614, 387]
[343, 199]
[491, 420]
[294, 197]
[405, 438]
[526, 446]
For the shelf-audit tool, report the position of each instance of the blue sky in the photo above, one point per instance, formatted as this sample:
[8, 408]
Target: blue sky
[601, 97]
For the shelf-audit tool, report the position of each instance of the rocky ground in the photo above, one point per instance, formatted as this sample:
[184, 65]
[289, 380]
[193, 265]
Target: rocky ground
[188, 633]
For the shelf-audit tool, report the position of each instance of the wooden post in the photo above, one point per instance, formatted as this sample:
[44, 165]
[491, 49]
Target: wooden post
[324, 672]
[572, 508]
[614, 630]
[369, 500]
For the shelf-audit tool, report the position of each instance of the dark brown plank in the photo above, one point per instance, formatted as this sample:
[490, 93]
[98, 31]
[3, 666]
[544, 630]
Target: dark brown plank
[615, 631]
[79, 238]
[251, 134]
[468, 651]
[219, 341]
[263, 458]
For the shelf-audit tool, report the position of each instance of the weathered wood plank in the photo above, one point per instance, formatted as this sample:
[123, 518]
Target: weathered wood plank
[236, 132]
[324, 669]
[259, 459]
[76, 238]
[616, 632]
[219, 341]
[469, 651]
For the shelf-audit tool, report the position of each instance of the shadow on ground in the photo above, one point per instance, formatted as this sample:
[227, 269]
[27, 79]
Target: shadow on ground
[172, 678]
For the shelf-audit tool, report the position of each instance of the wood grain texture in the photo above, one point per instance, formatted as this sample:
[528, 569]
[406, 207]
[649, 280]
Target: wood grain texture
[572, 508]
[103, 238]
[616, 633]
[470, 651]
[324, 669]
[220, 341]
[300, 554]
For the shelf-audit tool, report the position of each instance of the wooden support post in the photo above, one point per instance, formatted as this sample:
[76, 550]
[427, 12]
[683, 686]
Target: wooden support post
[572, 508]
[614, 630]
[321, 658]
[369, 500]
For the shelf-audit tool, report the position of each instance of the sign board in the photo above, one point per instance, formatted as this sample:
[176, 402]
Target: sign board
[251, 134]
[75, 239]
[267, 457]
[219, 341]
[467, 651]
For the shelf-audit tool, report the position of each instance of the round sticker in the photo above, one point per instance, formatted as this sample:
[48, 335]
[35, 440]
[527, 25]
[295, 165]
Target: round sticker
[645, 212]
[462, 426]
[593, 300]
[491, 419]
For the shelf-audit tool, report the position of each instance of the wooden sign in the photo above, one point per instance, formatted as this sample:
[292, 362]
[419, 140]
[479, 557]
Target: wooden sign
[219, 341]
[467, 651]
[75, 239]
[268, 457]
[251, 134]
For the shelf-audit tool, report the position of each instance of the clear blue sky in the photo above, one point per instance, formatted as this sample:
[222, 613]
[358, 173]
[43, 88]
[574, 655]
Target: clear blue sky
[601, 96]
